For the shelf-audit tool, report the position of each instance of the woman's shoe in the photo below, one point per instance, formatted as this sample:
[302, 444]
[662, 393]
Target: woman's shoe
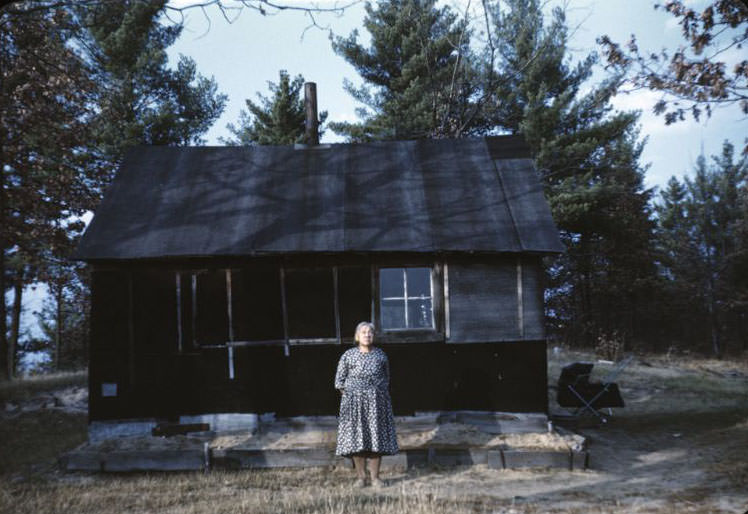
[360, 483]
[377, 483]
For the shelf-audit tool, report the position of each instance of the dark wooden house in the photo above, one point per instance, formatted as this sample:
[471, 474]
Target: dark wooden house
[230, 280]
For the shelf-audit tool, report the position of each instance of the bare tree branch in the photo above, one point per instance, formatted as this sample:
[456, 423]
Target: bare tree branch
[230, 10]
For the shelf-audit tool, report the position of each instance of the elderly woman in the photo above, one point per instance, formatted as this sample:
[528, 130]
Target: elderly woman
[366, 427]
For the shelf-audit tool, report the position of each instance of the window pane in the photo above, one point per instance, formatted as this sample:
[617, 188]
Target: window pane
[391, 282]
[310, 302]
[154, 311]
[212, 315]
[419, 282]
[257, 310]
[185, 287]
[419, 314]
[354, 298]
[393, 314]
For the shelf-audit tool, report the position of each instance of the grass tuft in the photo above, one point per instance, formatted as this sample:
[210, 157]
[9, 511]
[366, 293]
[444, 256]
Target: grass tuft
[25, 388]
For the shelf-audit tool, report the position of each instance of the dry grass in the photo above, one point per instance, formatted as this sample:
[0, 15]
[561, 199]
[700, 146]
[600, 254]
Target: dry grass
[658, 384]
[244, 491]
[31, 441]
[678, 447]
[25, 388]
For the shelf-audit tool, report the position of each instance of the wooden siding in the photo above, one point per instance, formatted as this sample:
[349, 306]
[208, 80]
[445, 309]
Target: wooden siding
[483, 301]
[109, 352]
[424, 377]
[532, 298]
[139, 315]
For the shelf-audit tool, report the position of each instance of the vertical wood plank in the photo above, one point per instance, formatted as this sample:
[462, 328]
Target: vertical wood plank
[130, 331]
[437, 306]
[337, 304]
[229, 306]
[285, 309]
[405, 288]
[520, 304]
[231, 361]
[446, 301]
[179, 311]
[374, 296]
[540, 293]
[231, 324]
[194, 310]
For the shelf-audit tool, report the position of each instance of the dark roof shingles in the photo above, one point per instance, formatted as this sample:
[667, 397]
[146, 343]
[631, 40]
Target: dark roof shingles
[411, 196]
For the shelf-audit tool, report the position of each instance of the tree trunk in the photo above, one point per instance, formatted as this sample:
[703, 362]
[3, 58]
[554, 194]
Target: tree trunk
[58, 326]
[585, 291]
[3, 327]
[715, 332]
[15, 326]
[4, 348]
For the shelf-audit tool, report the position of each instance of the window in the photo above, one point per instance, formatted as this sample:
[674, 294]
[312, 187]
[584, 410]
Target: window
[202, 308]
[310, 303]
[211, 323]
[406, 299]
[354, 298]
[256, 310]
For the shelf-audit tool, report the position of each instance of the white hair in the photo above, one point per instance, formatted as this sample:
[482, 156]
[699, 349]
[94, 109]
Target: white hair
[360, 326]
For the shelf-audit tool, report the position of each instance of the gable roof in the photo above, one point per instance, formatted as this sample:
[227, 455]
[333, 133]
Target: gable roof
[477, 195]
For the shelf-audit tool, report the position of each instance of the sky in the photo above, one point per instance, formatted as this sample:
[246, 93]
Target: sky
[248, 52]
[244, 55]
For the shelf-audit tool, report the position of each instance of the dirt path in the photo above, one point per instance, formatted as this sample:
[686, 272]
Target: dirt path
[680, 445]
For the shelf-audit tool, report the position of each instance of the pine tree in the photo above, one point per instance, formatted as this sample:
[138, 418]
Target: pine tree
[278, 120]
[141, 99]
[65, 316]
[699, 232]
[589, 159]
[80, 82]
[418, 78]
[738, 272]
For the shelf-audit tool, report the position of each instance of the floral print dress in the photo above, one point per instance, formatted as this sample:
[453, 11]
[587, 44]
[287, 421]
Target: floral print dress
[366, 423]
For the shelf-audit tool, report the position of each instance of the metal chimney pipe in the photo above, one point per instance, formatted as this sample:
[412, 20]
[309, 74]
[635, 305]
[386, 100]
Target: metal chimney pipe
[312, 123]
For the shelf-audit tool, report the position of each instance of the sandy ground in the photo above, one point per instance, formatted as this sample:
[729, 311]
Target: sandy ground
[679, 445]
[441, 435]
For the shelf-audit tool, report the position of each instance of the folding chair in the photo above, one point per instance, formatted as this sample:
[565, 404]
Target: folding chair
[576, 390]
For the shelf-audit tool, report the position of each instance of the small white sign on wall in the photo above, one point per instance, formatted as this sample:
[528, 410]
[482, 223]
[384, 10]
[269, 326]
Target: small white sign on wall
[108, 389]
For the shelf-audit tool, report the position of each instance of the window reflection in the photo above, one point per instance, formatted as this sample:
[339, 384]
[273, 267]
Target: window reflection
[406, 298]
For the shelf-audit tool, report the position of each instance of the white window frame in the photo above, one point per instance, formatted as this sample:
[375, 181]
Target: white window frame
[406, 298]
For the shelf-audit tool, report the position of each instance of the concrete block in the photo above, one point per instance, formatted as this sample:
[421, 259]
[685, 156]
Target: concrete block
[499, 422]
[308, 422]
[82, 461]
[219, 460]
[397, 462]
[154, 460]
[290, 458]
[419, 422]
[458, 456]
[517, 459]
[224, 422]
[343, 462]
[580, 459]
[494, 459]
[416, 458]
[102, 430]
